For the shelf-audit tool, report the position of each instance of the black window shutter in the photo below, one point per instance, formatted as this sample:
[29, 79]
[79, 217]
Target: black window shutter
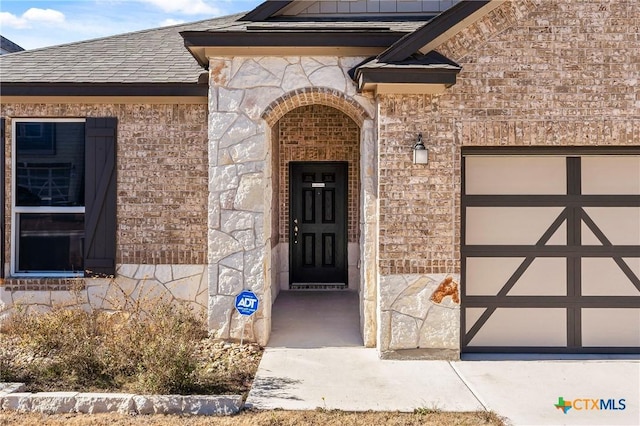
[2, 145]
[100, 197]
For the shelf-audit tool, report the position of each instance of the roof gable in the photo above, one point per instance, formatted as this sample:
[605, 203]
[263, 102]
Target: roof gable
[304, 9]
[265, 10]
[434, 29]
[411, 63]
[275, 28]
[366, 7]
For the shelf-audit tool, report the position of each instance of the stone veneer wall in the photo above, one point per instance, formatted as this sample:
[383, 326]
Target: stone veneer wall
[419, 316]
[247, 97]
[133, 283]
[161, 204]
[535, 73]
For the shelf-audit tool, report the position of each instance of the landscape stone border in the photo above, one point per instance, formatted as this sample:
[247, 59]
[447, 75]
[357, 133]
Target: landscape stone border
[12, 398]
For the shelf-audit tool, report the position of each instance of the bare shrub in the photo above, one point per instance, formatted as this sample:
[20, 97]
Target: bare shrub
[155, 347]
[146, 345]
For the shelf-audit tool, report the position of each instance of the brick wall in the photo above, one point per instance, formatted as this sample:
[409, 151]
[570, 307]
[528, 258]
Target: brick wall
[162, 177]
[319, 133]
[535, 73]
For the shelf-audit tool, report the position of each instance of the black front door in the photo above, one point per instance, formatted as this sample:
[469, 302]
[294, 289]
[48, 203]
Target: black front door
[318, 223]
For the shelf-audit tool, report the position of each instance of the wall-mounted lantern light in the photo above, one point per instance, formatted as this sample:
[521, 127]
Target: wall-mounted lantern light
[420, 152]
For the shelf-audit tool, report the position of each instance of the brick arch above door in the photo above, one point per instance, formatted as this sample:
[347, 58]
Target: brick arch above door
[314, 96]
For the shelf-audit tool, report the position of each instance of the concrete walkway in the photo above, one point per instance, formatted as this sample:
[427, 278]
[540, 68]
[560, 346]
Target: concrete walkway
[315, 359]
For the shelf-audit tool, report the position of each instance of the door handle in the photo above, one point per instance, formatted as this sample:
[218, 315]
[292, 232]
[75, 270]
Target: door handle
[295, 231]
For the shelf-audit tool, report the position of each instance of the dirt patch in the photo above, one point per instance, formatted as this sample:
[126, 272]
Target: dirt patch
[220, 367]
[277, 417]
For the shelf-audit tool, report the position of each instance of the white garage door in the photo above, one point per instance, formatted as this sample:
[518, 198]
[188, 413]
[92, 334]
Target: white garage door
[551, 252]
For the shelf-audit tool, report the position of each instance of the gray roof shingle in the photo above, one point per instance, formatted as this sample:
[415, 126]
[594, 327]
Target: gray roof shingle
[157, 55]
[147, 56]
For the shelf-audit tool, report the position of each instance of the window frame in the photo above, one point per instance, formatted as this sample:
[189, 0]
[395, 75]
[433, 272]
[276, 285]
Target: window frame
[17, 210]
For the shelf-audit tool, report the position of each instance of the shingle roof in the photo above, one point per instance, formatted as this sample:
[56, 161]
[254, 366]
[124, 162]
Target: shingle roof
[159, 55]
[357, 31]
[149, 56]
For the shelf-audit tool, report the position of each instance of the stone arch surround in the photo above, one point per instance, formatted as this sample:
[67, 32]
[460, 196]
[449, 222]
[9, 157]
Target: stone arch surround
[247, 96]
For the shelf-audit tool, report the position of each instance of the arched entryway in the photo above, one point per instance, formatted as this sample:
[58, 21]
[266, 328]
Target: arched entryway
[318, 153]
[316, 146]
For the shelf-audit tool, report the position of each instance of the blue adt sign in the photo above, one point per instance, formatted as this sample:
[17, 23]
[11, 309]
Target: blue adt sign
[247, 303]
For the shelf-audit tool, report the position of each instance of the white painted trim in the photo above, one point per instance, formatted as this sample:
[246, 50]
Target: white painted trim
[15, 211]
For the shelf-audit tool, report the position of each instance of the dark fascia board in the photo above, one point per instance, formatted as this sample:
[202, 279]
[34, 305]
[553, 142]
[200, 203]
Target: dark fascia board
[291, 37]
[265, 10]
[104, 89]
[9, 46]
[412, 42]
[407, 76]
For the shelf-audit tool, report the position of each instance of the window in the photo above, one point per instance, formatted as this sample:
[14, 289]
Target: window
[63, 204]
[48, 212]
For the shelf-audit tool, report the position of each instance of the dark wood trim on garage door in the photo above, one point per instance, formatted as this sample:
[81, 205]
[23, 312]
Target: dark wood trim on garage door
[573, 214]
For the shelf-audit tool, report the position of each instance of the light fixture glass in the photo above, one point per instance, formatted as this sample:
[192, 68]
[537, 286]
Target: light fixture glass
[420, 152]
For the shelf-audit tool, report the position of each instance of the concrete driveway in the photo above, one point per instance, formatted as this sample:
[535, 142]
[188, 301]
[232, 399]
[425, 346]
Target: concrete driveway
[354, 379]
[526, 392]
[332, 370]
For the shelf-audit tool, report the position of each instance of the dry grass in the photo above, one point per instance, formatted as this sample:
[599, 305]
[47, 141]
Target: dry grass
[147, 346]
[261, 418]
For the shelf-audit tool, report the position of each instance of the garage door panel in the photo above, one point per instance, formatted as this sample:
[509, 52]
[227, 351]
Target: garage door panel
[588, 237]
[620, 225]
[542, 262]
[559, 238]
[512, 327]
[545, 277]
[485, 276]
[617, 175]
[634, 264]
[604, 277]
[611, 327]
[511, 175]
[510, 225]
[471, 316]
